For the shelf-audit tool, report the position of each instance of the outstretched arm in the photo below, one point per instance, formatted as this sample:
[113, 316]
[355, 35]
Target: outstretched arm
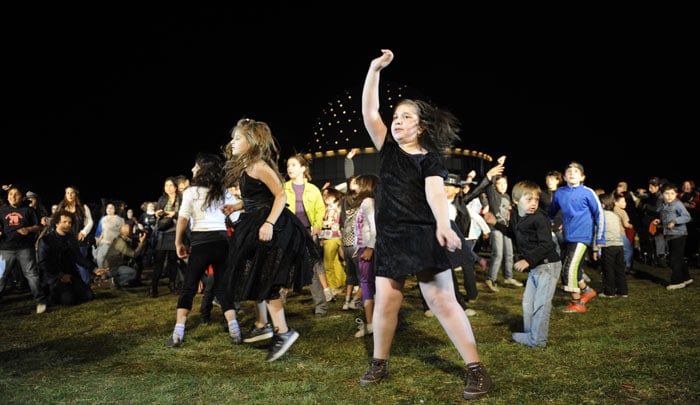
[370, 99]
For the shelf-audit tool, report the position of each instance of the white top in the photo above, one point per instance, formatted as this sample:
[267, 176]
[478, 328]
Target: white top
[204, 220]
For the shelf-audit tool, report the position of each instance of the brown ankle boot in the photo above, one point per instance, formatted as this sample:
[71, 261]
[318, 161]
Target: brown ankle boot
[478, 381]
[378, 370]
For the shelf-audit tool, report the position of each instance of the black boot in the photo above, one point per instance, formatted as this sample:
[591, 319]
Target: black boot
[478, 381]
[377, 371]
[152, 293]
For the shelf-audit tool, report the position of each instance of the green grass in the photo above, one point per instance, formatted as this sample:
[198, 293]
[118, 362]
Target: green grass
[642, 349]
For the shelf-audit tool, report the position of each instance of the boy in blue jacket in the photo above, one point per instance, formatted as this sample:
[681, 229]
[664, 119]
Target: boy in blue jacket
[583, 225]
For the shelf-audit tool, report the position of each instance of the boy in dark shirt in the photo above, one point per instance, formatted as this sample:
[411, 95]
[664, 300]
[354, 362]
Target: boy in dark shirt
[532, 232]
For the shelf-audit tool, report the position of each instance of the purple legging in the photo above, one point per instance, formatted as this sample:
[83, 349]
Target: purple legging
[366, 268]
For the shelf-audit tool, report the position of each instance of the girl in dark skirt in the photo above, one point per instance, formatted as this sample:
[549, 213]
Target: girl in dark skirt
[270, 249]
[413, 226]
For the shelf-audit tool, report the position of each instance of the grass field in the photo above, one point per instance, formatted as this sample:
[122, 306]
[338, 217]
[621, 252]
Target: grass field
[641, 349]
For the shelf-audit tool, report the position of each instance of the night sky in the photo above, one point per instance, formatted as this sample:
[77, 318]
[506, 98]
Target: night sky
[113, 101]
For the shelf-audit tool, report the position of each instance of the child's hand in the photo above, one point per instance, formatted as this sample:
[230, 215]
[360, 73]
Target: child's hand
[382, 61]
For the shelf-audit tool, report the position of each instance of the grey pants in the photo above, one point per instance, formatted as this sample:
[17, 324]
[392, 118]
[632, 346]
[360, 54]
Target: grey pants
[320, 304]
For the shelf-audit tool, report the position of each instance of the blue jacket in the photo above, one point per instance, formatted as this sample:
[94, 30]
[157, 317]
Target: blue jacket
[582, 215]
[674, 212]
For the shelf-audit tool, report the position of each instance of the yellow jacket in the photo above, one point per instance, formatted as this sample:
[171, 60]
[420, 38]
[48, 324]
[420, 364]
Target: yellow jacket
[313, 202]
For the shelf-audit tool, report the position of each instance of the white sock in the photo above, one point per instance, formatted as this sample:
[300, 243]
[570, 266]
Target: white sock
[233, 328]
[179, 331]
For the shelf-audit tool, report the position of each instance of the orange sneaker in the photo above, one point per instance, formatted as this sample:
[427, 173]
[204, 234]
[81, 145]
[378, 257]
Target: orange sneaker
[575, 307]
[585, 297]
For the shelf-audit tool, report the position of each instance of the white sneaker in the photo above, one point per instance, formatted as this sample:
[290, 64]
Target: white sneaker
[491, 285]
[356, 303]
[470, 312]
[40, 308]
[513, 282]
[428, 314]
[688, 281]
[668, 287]
[363, 329]
[328, 294]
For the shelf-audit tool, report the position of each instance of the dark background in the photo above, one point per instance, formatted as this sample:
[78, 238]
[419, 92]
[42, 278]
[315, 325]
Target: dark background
[114, 100]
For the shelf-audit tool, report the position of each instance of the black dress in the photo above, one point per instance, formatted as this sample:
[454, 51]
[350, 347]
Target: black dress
[257, 270]
[406, 242]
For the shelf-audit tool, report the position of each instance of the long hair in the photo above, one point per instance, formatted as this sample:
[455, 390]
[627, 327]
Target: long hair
[440, 127]
[366, 185]
[79, 215]
[262, 146]
[210, 175]
[303, 162]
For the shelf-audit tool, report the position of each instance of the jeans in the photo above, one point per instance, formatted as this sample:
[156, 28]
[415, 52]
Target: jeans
[123, 275]
[537, 301]
[85, 273]
[628, 251]
[501, 252]
[27, 260]
[319, 299]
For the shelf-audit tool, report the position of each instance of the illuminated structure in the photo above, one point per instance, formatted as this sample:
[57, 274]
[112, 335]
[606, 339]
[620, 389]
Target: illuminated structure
[340, 129]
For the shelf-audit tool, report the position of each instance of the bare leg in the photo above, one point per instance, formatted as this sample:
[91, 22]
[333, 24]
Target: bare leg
[276, 309]
[387, 302]
[438, 291]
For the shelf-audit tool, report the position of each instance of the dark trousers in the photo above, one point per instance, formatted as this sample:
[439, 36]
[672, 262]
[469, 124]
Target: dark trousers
[201, 257]
[613, 266]
[679, 268]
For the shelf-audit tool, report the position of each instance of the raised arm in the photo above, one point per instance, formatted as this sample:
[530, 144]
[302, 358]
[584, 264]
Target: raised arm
[370, 99]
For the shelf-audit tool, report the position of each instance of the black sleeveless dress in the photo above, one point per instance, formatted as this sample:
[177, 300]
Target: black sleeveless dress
[257, 270]
[406, 242]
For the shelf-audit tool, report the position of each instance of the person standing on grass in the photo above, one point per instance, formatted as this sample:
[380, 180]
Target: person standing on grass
[612, 254]
[532, 232]
[270, 249]
[413, 226]
[201, 223]
[673, 217]
[365, 239]
[583, 225]
[19, 226]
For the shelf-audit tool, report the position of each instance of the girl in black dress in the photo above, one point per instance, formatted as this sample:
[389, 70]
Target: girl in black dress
[411, 200]
[270, 248]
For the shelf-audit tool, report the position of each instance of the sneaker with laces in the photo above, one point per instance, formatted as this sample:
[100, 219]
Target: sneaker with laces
[377, 371]
[328, 293]
[478, 381]
[356, 303]
[257, 334]
[281, 342]
[587, 296]
[40, 308]
[173, 341]
[513, 282]
[575, 307]
[491, 285]
[346, 305]
[363, 329]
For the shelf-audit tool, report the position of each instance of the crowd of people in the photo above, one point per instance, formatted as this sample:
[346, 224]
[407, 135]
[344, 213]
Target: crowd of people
[241, 231]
